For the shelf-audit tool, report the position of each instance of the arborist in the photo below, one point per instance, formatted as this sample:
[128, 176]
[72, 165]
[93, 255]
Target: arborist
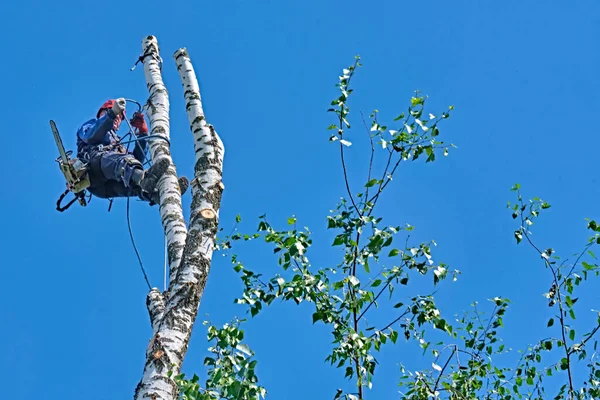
[114, 171]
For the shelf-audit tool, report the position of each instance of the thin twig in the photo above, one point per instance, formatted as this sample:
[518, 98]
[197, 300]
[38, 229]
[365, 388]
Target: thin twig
[375, 299]
[558, 294]
[372, 154]
[577, 261]
[583, 342]
[392, 323]
[443, 369]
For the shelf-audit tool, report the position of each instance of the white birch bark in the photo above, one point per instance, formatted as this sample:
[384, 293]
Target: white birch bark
[172, 333]
[157, 109]
[207, 186]
[155, 302]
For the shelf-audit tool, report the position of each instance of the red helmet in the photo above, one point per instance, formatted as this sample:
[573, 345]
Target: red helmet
[107, 105]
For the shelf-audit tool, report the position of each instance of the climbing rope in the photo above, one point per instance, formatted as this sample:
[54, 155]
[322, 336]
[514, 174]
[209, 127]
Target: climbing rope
[147, 161]
[137, 253]
[165, 266]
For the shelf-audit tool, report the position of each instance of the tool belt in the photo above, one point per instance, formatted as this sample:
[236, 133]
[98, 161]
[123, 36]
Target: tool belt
[118, 147]
[91, 152]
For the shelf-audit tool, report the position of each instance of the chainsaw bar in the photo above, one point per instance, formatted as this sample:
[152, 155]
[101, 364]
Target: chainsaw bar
[59, 143]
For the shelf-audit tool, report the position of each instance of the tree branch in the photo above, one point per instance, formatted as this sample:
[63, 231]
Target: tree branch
[155, 302]
[392, 323]
[437, 382]
[370, 158]
[557, 284]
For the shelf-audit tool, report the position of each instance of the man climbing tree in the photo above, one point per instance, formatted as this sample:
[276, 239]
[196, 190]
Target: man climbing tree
[114, 171]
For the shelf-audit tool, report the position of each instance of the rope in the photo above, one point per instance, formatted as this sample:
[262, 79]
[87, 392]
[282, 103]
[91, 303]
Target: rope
[147, 137]
[136, 140]
[165, 267]
[135, 247]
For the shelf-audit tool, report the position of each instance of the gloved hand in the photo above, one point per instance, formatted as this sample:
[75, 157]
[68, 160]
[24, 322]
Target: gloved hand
[139, 122]
[119, 106]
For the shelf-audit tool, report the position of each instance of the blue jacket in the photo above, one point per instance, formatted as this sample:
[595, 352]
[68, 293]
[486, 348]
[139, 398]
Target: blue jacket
[99, 131]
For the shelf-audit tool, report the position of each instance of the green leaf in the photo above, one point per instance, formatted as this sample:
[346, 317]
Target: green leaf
[572, 334]
[430, 154]
[209, 361]
[587, 266]
[569, 301]
[339, 239]
[399, 117]
[338, 285]
[349, 372]
[529, 380]
[394, 252]
[376, 282]
[592, 225]
[291, 220]
[238, 218]
[372, 183]
[317, 316]
[415, 101]
[550, 322]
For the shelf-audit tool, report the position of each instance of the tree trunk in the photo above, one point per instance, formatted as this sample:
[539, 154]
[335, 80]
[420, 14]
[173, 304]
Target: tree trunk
[173, 313]
[157, 107]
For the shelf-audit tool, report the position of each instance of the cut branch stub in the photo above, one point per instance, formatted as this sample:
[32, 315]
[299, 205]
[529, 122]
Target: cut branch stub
[208, 213]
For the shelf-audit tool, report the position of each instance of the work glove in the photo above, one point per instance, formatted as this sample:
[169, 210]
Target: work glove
[138, 121]
[119, 106]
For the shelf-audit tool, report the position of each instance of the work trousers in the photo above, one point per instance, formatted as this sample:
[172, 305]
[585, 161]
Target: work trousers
[111, 173]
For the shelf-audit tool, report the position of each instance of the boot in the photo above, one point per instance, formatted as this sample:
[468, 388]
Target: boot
[184, 184]
[148, 179]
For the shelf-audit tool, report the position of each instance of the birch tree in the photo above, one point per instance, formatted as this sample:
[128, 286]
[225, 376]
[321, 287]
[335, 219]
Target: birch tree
[468, 361]
[173, 312]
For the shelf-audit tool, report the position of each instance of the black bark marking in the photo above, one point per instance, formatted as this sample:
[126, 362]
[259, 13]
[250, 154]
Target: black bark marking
[182, 53]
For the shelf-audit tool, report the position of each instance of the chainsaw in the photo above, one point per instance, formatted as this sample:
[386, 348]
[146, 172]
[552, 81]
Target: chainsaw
[74, 171]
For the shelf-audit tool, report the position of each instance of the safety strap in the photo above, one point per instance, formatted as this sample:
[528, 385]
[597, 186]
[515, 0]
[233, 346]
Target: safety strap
[78, 196]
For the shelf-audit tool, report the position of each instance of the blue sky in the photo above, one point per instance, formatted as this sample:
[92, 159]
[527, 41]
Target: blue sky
[524, 82]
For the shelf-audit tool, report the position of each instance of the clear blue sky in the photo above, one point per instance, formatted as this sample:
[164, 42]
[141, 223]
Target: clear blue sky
[523, 79]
